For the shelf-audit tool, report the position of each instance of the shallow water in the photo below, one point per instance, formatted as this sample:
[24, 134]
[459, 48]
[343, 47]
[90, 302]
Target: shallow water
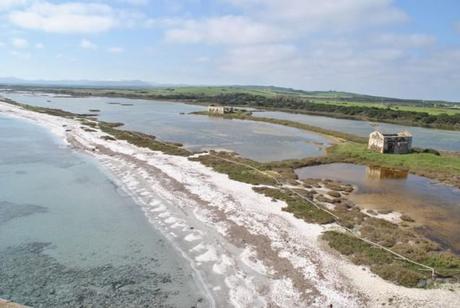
[423, 137]
[433, 205]
[66, 227]
[171, 121]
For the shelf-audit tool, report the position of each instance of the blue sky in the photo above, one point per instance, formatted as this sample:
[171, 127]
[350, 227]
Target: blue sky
[407, 48]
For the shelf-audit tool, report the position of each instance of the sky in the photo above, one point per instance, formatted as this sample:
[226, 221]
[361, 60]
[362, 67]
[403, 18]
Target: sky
[399, 48]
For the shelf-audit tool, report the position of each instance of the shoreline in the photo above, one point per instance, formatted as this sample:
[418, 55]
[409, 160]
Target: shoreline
[265, 254]
[197, 101]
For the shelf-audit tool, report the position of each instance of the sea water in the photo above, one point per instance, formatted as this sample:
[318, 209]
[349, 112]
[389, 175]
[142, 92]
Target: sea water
[70, 237]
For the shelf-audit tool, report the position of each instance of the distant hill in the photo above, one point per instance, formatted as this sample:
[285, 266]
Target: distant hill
[413, 112]
[203, 90]
[339, 95]
[77, 83]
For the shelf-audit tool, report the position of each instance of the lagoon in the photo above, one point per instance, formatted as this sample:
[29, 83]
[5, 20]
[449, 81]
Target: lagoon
[434, 206]
[423, 137]
[171, 121]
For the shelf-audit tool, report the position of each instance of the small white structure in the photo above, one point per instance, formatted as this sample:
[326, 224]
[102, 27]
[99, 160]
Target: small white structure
[400, 143]
[219, 109]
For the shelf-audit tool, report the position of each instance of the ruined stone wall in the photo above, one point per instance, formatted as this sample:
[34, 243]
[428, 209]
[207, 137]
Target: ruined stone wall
[376, 142]
[216, 109]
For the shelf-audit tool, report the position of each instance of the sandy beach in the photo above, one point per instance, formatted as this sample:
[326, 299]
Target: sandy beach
[246, 251]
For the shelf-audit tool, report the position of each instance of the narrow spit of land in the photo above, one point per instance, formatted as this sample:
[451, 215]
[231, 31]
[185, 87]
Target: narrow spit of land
[432, 114]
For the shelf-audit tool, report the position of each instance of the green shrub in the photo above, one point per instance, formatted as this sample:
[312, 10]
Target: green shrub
[236, 171]
[299, 207]
[380, 261]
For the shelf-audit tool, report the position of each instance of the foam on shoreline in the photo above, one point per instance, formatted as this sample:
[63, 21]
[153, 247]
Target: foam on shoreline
[245, 250]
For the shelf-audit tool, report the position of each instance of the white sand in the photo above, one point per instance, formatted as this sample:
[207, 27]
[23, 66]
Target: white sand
[246, 251]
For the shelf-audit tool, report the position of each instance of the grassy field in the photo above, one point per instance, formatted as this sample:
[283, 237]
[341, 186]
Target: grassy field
[414, 108]
[212, 91]
[332, 97]
[445, 167]
[172, 91]
[414, 161]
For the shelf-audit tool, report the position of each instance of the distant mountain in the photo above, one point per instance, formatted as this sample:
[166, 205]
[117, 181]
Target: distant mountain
[77, 83]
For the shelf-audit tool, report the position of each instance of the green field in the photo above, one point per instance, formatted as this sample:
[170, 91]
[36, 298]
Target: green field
[414, 108]
[211, 91]
[173, 91]
[444, 167]
[337, 97]
[414, 161]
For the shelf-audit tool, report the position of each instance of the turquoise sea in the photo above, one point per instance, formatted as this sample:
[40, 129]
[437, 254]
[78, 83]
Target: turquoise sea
[70, 237]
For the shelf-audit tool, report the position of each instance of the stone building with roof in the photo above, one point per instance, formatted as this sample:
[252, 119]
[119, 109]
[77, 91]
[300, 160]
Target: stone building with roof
[400, 143]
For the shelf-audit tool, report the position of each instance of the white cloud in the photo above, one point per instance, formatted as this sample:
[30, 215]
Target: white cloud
[8, 4]
[39, 46]
[19, 43]
[87, 44]
[314, 44]
[259, 59]
[135, 2]
[336, 15]
[72, 17]
[405, 40]
[222, 30]
[202, 60]
[341, 64]
[115, 50]
[278, 21]
[166, 22]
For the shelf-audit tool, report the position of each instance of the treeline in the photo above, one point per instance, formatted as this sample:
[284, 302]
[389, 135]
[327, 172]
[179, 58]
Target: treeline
[356, 112]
